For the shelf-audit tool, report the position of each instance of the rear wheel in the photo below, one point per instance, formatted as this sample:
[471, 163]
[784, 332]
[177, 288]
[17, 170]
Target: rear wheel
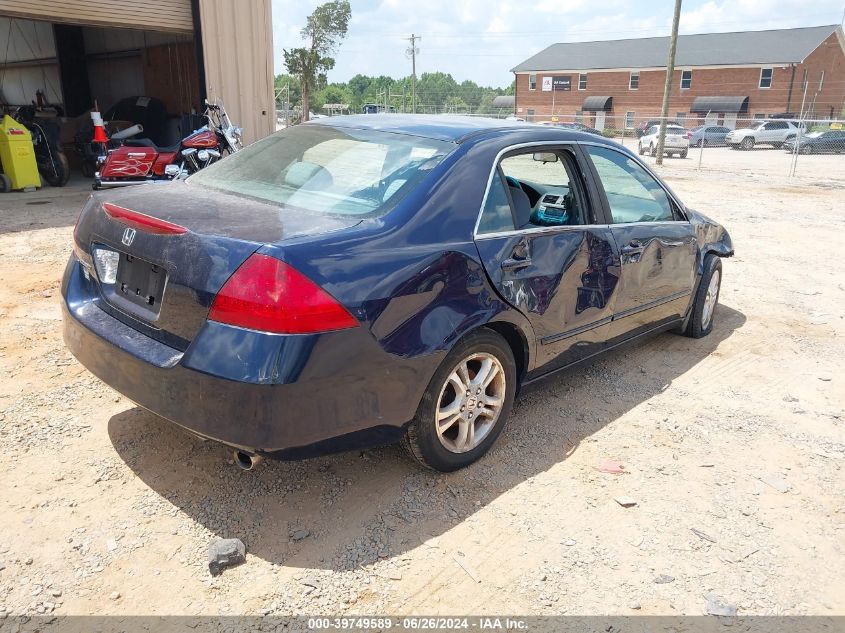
[706, 298]
[652, 150]
[683, 154]
[747, 143]
[640, 149]
[466, 404]
[59, 173]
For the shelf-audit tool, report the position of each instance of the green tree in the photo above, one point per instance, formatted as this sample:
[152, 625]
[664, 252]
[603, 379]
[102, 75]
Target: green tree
[333, 93]
[323, 31]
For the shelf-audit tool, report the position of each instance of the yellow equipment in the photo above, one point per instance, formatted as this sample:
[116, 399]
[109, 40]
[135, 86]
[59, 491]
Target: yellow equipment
[17, 155]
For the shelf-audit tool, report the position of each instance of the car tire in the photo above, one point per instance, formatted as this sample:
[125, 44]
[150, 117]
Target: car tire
[640, 149]
[652, 150]
[777, 145]
[808, 149]
[5, 184]
[747, 143]
[703, 309]
[451, 447]
[683, 154]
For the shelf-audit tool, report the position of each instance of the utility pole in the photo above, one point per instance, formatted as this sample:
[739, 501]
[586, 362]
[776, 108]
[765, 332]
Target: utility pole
[667, 87]
[412, 51]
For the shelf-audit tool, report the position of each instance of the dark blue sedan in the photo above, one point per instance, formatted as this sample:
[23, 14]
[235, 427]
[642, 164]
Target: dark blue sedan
[371, 279]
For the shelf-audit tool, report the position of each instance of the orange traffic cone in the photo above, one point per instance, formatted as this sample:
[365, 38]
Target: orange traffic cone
[99, 130]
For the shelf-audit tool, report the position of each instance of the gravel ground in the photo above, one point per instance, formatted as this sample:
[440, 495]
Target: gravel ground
[732, 446]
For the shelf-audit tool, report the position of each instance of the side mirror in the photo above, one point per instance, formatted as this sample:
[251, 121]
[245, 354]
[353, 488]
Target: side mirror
[545, 157]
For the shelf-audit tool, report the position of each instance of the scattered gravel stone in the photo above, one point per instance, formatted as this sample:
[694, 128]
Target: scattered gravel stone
[298, 535]
[718, 606]
[777, 482]
[56, 593]
[663, 579]
[227, 552]
[626, 502]
[636, 606]
[114, 595]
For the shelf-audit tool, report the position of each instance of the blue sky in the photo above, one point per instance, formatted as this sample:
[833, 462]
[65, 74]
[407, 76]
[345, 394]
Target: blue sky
[482, 39]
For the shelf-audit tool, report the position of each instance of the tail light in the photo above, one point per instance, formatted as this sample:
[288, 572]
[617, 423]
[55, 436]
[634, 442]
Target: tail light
[268, 295]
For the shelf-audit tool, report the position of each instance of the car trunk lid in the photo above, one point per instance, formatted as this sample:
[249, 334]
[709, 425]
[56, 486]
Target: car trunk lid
[162, 252]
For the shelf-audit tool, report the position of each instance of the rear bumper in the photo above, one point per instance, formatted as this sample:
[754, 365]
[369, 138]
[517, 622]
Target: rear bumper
[283, 396]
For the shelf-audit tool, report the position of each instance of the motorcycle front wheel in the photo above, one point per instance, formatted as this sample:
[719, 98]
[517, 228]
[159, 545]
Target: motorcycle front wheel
[58, 173]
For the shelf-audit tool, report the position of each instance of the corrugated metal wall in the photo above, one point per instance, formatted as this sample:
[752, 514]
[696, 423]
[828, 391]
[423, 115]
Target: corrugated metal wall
[158, 15]
[237, 41]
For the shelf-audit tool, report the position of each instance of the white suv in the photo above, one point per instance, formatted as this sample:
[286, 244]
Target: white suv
[676, 141]
[774, 133]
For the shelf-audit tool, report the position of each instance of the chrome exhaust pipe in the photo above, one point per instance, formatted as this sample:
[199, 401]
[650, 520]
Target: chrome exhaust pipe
[246, 461]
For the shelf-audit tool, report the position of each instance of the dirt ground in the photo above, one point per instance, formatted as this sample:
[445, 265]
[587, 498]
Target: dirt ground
[733, 448]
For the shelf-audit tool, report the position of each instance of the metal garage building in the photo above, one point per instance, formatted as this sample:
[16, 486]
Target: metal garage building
[178, 51]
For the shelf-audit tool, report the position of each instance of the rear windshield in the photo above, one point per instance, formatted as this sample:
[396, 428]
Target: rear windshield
[324, 169]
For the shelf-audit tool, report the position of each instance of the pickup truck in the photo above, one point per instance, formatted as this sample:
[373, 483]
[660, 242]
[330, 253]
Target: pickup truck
[774, 133]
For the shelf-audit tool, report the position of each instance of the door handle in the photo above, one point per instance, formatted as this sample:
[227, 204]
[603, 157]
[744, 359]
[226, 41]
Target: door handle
[633, 247]
[512, 264]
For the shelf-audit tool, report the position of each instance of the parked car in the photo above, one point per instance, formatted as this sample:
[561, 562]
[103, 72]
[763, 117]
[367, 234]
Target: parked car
[645, 126]
[370, 279]
[829, 142]
[674, 142]
[571, 125]
[774, 133]
[708, 135]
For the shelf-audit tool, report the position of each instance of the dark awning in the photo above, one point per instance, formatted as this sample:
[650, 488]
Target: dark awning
[718, 105]
[504, 102]
[600, 104]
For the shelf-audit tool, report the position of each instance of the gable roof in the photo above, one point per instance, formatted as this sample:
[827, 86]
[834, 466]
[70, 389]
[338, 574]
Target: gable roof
[780, 46]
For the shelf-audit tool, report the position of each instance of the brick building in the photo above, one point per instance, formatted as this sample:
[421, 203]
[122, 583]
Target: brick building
[718, 77]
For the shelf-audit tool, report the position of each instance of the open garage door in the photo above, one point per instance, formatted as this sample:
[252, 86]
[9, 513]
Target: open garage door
[153, 15]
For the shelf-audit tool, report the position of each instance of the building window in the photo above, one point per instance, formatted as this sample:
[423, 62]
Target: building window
[530, 116]
[634, 81]
[681, 116]
[765, 77]
[686, 79]
[579, 116]
[532, 81]
[582, 81]
[629, 120]
[821, 81]
[759, 116]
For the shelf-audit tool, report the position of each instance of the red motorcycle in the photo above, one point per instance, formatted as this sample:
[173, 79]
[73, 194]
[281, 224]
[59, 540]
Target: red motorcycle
[140, 160]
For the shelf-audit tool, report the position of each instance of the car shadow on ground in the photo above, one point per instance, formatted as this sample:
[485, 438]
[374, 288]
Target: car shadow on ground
[342, 511]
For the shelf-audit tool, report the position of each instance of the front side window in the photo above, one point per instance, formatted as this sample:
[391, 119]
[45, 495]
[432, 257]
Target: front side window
[534, 188]
[765, 77]
[582, 81]
[634, 81]
[632, 193]
[496, 215]
[532, 81]
[321, 169]
[686, 79]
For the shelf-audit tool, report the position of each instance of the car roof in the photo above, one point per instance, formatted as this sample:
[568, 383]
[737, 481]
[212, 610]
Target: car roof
[438, 127]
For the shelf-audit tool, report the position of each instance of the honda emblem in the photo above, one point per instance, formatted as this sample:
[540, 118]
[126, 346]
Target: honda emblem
[128, 236]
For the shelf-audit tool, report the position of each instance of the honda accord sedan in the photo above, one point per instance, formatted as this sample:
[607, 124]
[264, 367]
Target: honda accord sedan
[365, 280]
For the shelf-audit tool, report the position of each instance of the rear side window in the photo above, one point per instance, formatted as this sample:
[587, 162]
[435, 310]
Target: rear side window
[327, 170]
[632, 193]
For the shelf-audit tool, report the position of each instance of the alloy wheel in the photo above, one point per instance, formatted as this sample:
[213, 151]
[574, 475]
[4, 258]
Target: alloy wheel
[470, 402]
[710, 299]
